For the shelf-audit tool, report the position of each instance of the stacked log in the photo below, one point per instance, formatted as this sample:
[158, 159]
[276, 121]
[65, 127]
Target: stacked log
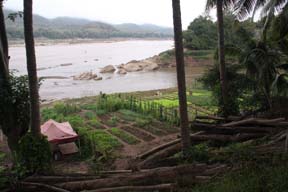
[231, 129]
[152, 179]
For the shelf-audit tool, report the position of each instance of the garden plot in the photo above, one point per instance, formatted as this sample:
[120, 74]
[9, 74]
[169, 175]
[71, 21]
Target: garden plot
[115, 134]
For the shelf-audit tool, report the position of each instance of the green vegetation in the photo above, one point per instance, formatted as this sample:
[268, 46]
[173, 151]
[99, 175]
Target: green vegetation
[112, 121]
[257, 178]
[202, 32]
[124, 136]
[96, 141]
[29, 159]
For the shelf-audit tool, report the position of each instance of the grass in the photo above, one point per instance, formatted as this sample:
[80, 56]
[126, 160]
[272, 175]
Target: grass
[200, 54]
[127, 138]
[270, 178]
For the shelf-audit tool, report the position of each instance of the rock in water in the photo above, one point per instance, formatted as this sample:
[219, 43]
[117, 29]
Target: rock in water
[152, 67]
[132, 67]
[108, 69]
[122, 72]
[87, 76]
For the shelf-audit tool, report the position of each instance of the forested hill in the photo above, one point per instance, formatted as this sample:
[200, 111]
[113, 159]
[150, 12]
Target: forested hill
[69, 28]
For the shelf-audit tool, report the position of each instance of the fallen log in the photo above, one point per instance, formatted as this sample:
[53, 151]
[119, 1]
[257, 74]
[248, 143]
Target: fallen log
[57, 179]
[41, 185]
[169, 186]
[226, 138]
[254, 121]
[210, 117]
[157, 149]
[161, 147]
[233, 130]
[217, 118]
[150, 177]
[154, 158]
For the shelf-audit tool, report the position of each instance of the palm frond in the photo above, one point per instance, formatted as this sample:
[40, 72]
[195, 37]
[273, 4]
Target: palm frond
[244, 8]
[280, 85]
[227, 4]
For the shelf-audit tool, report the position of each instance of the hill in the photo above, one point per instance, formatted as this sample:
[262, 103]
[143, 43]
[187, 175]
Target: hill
[69, 28]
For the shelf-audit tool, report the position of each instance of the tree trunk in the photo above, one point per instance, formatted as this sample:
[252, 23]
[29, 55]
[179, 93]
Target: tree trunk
[179, 53]
[3, 34]
[31, 67]
[221, 56]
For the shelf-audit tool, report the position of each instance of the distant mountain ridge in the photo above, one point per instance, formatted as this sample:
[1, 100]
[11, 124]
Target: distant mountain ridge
[69, 28]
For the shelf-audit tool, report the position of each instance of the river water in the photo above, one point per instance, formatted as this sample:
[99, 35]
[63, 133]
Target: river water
[67, 60]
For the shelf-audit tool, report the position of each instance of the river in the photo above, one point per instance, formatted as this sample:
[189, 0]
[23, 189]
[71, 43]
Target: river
[67, 60]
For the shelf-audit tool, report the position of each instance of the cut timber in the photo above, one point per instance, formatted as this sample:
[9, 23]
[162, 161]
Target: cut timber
[150, 177]
[136, 188]
[161, 147]
[212, 128]
[154, 158]
[58, 179]
[226, 138]
[254, 121]
[210, 117]
[45, 186]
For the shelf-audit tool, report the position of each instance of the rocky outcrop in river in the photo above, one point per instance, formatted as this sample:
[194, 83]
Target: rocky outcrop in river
[87, 76]
[108, 69]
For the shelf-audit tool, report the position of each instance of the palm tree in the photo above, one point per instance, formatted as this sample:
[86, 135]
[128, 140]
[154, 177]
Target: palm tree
[220, 5]
[3, 34]
[179, 53]
[31, 67]
[244, 8]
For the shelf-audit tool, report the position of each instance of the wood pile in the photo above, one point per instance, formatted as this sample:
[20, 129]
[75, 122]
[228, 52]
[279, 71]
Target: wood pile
[162, 178]
[212, 128]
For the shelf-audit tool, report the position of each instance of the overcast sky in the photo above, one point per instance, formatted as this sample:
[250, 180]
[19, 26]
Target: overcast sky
[116, 11]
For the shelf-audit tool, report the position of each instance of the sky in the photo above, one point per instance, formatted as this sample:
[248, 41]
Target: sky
[157, 12]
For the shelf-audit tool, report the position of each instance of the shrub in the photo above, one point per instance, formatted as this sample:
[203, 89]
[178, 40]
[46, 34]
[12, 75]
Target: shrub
[33, 155]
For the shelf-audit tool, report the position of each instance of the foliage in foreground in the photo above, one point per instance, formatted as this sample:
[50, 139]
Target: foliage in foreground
[257, 178]
[33, 155]
[14, 109]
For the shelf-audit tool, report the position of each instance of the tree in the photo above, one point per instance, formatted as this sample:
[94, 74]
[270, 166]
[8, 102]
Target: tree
[31, 67]
[180, 67]
[244, 8]
[201, 34]
[14, 95]
[3, 34]
[220, 4]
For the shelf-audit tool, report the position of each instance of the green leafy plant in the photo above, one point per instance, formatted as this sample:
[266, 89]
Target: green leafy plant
[124, 136]
[112, 121]
[33, 155]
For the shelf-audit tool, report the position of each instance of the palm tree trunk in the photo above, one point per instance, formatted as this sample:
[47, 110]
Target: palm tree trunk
[221, 55]
[31, 67]
[178, 36]
[3, 34]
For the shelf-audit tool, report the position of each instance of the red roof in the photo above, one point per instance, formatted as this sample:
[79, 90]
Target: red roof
[58, 132]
